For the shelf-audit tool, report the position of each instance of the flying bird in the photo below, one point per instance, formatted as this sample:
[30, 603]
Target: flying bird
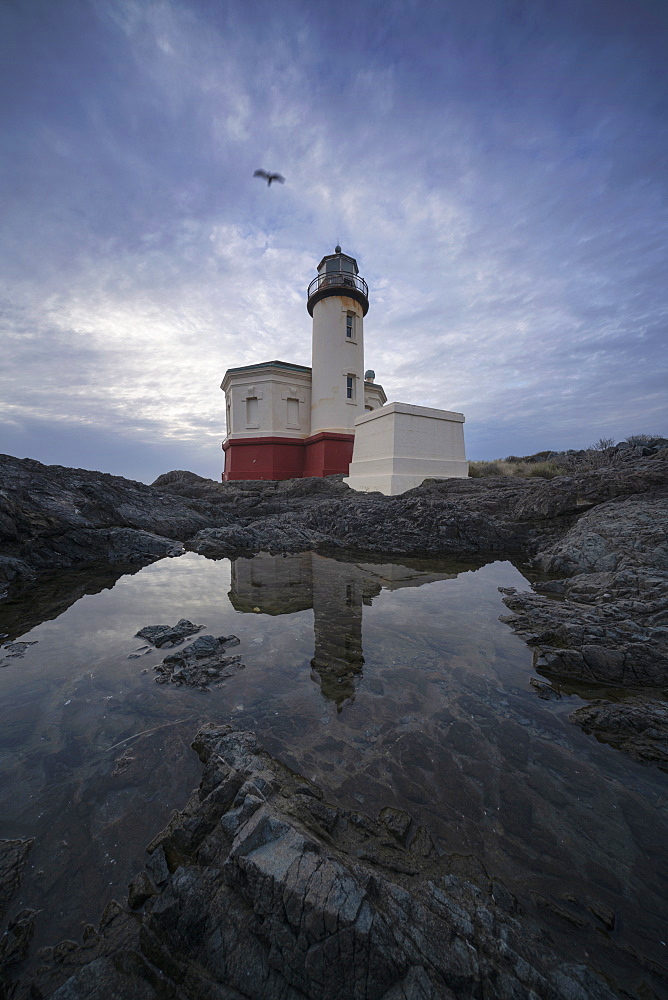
[269, 177]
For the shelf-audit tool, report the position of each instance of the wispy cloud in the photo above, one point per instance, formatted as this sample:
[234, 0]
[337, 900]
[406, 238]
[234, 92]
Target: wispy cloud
[499, 175]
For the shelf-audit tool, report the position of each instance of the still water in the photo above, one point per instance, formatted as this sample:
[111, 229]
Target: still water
[386, 684]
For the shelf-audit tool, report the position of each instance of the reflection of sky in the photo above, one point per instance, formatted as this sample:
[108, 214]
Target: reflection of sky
[498, 169]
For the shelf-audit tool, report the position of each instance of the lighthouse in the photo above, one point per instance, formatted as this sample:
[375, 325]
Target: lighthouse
[285, 420]
[338, 301]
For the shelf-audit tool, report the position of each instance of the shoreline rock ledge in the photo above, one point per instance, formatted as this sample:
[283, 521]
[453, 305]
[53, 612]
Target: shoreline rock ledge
[261, 890]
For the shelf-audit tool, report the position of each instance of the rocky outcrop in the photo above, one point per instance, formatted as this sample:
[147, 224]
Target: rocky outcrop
[609, 622]
[15, 942]
[261, 890]
[607, 644]
[52, 517]
[635, 725]
[55, 517]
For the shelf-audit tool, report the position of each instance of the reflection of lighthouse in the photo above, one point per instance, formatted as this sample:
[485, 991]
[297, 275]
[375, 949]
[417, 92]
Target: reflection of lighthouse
[337, 623]
[337, 592]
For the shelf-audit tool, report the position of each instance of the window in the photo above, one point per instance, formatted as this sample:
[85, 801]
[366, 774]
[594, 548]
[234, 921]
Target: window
[229, 417]
[252, 412]
[350, 388]
[293, 412]
[350, 325]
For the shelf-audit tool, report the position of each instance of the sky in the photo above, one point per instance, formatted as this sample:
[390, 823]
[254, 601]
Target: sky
[497, 167]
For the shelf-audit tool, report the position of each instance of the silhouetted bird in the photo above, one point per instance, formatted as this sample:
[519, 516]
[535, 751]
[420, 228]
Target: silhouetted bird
[269, 177]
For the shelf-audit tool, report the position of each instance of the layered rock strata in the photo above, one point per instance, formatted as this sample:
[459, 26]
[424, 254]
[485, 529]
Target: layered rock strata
[261, 890]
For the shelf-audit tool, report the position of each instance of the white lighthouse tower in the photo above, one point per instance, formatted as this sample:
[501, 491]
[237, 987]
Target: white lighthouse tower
[338, 301]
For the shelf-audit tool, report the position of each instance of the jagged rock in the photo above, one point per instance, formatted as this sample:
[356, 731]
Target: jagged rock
[636, 725]
[219, 542]
[51, 516]
[168, 635]
[261, 902]
[613, 643]
[140, 889]
[201, 663]
[13, 854]
[15, 942]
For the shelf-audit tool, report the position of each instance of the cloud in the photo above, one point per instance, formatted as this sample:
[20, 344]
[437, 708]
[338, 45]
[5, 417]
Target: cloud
[500, 179]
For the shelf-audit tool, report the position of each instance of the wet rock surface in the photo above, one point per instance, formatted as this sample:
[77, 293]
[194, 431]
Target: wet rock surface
[609, 644]
[169, 635]
[201, 664]
[261, 889]
[15, 941]
[638, 726]
[13, 855]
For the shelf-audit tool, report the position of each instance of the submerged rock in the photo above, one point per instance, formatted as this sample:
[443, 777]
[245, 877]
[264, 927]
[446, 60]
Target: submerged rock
[14, 651]
[544, 690]
[201, 663]
[263, 891]
[15, 942]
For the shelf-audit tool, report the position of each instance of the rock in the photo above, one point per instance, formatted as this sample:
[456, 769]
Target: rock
[109, 915]
[139, 890]
[168, 635]
[51, 516]
[397, 821]
[604, 914]
[250, 874]
[17, 650]
[63, 949]
[201, 663]
[616, 642]
[636, 725]
[259, 902]
[13, 855]
[544, 690]
[15, 942]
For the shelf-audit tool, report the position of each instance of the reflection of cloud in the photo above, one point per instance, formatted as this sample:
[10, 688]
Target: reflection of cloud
[500, 179]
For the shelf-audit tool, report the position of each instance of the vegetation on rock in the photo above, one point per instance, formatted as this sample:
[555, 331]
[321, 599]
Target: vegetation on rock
[549, 464]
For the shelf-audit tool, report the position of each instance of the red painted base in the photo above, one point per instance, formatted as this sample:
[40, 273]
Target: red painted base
[328, 454]
[323, 454]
